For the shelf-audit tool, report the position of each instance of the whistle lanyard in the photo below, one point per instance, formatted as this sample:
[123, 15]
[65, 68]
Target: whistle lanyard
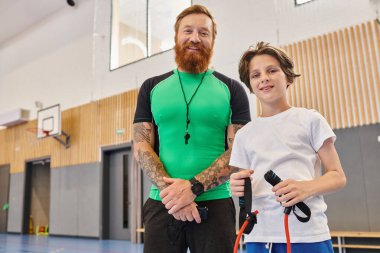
[187, 135]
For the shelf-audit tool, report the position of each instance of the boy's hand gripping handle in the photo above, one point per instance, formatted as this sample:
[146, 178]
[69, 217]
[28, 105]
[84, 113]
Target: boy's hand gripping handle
[273, 179]
[245, 204]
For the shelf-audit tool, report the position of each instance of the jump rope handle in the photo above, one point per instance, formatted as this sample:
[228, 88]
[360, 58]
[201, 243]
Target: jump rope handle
[245, 204]
[273, 179]
[247, 219]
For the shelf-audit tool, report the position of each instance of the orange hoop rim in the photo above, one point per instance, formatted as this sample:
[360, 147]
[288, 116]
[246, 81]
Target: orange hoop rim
[36, 130]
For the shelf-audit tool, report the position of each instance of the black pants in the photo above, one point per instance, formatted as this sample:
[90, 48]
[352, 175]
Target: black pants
[165, 234]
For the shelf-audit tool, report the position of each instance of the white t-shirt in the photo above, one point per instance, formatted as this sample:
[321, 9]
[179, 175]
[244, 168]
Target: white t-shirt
[286, 143]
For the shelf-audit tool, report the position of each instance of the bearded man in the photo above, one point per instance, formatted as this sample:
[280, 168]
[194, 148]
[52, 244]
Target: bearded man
[184, 127]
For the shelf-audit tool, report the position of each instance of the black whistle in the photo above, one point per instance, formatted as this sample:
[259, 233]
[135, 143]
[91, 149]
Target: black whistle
[187, 137]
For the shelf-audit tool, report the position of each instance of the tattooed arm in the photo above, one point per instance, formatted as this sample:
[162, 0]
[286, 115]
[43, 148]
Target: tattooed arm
[179, 193]
[147, 159]
[219, 171]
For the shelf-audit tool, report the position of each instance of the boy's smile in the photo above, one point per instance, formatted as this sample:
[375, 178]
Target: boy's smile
[266, 88]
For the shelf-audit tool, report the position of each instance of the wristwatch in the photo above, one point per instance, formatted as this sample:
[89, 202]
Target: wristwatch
[196, 187]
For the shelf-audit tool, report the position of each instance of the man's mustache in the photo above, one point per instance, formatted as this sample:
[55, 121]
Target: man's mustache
[194, 45]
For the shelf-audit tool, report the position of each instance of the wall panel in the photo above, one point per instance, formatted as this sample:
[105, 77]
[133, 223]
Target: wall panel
[6, 144]
[340, 75]
[16, 202]
[90, 126]
[75, 200]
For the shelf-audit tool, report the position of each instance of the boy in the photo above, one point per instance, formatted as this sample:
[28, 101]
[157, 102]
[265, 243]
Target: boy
[292, 142]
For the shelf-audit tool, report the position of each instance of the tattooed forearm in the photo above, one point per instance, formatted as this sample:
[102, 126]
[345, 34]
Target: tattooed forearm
[147, 159]
[142, 132]
[220, 171]
[153, 168]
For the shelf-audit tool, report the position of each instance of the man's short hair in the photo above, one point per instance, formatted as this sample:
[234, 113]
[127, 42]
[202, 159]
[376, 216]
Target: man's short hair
[195, 9]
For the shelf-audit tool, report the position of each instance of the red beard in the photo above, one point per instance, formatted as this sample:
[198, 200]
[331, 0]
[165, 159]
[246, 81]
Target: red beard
[193, 62]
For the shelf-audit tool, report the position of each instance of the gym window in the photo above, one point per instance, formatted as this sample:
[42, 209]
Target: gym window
[142, 28]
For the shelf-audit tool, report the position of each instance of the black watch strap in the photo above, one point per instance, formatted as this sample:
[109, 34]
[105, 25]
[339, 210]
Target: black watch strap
[196, 187]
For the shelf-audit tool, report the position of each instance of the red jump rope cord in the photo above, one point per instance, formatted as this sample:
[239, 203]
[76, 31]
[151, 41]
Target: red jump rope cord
[286, 224]
[241, 231]
[236, 248]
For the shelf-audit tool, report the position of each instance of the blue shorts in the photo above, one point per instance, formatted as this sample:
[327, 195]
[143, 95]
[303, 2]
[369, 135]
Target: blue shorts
[315, 247]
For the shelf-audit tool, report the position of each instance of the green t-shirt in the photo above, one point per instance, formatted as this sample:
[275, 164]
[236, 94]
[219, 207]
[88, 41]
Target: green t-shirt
[210, 112]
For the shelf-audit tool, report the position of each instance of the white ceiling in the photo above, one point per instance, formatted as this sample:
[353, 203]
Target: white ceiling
[17, 16]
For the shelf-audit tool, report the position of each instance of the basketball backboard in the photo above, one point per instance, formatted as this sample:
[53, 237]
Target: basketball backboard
[49, 121]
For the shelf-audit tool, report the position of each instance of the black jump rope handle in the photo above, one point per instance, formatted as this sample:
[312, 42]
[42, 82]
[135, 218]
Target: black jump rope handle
[273, 179]
[245, 204]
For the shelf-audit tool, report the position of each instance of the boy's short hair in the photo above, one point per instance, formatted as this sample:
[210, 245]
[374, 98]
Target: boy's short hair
[261, 48]
[195, 9]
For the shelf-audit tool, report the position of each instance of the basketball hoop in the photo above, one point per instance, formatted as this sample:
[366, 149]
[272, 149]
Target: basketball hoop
[39, 131]
[49, 125]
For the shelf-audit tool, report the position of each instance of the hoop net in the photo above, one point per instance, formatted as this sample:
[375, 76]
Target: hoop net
[34, 132]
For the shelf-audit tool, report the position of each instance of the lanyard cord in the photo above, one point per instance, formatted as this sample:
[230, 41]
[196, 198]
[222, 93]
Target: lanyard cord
[187, 135]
